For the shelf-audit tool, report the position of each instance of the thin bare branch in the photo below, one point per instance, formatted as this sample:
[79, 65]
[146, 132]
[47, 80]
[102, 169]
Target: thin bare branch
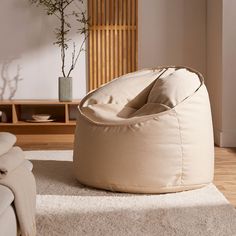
[68, 3]
[78, 54]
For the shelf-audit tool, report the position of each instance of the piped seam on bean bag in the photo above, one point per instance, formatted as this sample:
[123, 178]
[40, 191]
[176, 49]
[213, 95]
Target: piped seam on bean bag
[181, 146]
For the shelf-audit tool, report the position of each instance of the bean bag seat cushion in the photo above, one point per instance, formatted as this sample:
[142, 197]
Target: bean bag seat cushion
[146, 132]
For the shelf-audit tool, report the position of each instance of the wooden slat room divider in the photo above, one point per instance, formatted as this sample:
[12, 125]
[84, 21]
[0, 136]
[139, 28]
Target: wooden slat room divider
[112, 39]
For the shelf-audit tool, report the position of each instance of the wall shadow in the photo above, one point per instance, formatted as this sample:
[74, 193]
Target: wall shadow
[9, 81]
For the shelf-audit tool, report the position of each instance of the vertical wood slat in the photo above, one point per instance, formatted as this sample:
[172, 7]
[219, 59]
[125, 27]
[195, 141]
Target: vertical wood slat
[107, 42]
[116, 39]
[93, 33]
[103, 52]
[90, 50]
[136, 33]
[120, 42]
[112, 40]
[99, 51]
[128, 37]
[124, 38]
[133, 37]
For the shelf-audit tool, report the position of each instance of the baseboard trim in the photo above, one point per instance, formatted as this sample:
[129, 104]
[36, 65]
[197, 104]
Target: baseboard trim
[225, 138]
[217, 137]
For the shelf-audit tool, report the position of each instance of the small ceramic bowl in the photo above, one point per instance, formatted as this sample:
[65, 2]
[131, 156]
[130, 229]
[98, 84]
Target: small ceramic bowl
[41, 116]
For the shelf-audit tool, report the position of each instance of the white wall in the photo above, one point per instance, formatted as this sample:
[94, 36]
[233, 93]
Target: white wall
[214, 62]
[229, 74]
[27, 34]
[172, 32]
[221, 70]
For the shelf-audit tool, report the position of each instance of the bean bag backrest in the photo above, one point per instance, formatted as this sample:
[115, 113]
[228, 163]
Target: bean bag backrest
[170, 88]
[141, 93]
[173, 88]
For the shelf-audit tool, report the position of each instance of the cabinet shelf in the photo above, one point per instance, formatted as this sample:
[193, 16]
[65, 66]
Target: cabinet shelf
[26, 123]
[17, 112]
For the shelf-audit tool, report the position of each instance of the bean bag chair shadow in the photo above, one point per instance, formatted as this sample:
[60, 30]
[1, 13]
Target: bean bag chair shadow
[146, 132]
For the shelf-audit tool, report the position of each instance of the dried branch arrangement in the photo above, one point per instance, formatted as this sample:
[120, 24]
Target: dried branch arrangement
[62, 11]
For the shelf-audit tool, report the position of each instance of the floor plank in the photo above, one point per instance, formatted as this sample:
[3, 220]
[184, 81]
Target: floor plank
[225, 172]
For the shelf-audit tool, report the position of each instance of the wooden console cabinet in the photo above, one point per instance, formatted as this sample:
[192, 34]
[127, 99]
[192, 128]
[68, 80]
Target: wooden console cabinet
[19, 113]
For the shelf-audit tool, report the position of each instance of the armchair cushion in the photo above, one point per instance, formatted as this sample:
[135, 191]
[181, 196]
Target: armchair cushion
[7, 141]
[6, 198]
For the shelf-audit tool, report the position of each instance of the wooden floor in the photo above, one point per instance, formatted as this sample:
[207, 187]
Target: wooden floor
[225, 167]
[225, 172]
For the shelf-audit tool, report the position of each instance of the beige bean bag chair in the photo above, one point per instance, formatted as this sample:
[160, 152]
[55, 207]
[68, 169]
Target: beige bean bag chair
[146, 132]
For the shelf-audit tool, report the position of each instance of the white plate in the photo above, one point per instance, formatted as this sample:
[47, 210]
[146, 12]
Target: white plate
[40, 121]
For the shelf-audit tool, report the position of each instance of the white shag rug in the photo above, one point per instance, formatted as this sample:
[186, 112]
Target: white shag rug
[64, 207]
